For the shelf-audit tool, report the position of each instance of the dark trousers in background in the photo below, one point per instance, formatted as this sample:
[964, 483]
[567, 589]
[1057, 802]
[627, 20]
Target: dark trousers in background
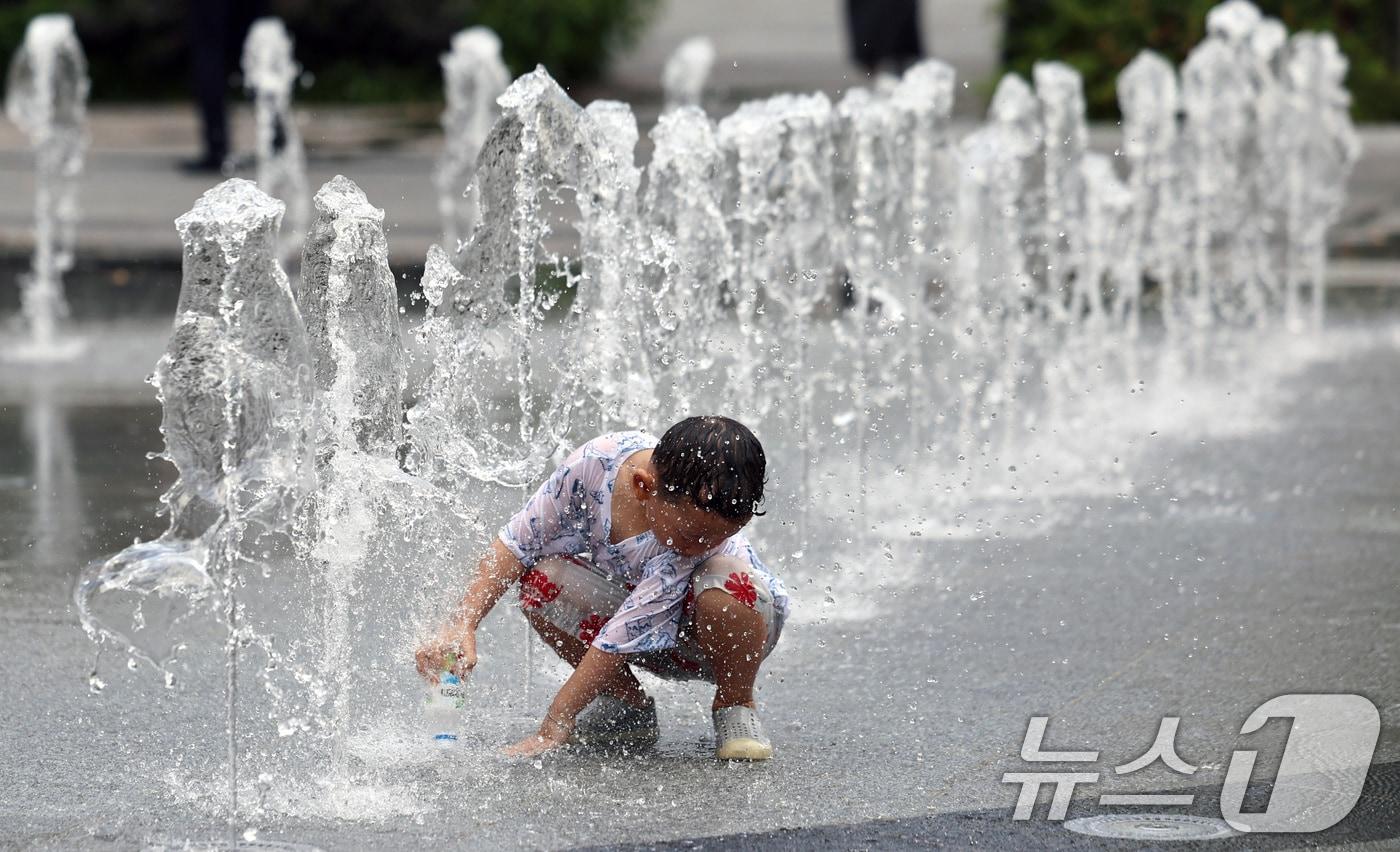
[216, 32]
[884, 34]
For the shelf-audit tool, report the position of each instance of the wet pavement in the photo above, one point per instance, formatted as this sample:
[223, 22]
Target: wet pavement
[1244, 545]
[390, 153]
[1371, 824]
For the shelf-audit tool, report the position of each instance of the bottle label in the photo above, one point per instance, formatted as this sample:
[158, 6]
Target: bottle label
[450, 686]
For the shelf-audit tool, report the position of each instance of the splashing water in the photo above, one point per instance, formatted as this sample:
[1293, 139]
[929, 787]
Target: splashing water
[689, 256]
[612, 308]
[848, 280]
[1318, 159]
[866, 139]
[543, 148]
[687, 69]
[349, 304]
[1060, 91]
[269, 73]
[1150, 98]
[46, 95]
[473, 76]
[236, 387]
[780, 157]
[994, 303]
[922, 103]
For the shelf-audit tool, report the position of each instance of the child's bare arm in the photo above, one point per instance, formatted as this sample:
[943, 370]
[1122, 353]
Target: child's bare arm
[495, 574]
[594, 674]
[591, 678]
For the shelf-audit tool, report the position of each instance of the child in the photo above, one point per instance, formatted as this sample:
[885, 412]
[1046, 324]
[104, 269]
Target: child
[632, 553]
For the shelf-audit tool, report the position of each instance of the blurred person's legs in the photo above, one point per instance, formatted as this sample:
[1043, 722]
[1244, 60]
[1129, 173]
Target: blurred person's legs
[216, 30]
[884, 34]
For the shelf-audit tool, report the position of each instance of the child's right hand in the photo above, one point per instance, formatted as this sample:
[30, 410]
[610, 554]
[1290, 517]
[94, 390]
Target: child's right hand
[453, 640]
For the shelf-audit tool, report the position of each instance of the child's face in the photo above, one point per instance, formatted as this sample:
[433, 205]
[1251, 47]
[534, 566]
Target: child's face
[686, 528]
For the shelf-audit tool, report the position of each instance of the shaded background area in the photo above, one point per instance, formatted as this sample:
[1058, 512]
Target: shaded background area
[1099, 39]
[358, 51]
[379, 51]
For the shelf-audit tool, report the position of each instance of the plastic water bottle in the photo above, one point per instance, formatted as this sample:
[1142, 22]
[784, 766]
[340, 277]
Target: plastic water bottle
[443, 706]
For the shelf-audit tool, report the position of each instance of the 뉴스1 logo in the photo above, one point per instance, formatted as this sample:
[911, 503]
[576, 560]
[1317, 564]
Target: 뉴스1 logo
[1318, 783]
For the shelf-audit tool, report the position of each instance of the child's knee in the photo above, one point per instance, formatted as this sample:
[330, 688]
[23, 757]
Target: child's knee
[716, 599]
[725, 584]
[719, 608]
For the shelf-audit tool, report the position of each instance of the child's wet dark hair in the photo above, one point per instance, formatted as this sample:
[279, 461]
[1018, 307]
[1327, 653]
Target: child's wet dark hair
[716, 462]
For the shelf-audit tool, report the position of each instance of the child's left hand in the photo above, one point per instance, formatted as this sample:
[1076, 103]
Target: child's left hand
[551, 735]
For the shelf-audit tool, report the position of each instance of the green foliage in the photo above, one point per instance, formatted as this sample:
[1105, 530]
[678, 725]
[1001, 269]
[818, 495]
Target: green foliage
[572, 39]
[355, 50]
[1099, 38]
[379, 50]
[135, 48]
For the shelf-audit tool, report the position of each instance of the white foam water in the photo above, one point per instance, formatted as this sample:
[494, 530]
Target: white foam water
[46, 94]
[473, 77]
[270, 72]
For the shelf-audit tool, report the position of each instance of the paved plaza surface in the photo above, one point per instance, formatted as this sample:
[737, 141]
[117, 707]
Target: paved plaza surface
[1245, 546]
[1214, 542]
[131, 190]
[798, 45]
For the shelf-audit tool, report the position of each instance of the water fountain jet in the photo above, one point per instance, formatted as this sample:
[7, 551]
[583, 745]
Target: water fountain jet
[238, 395]
[687, 69]
[269, 74]
[46, 95]
[474, 76]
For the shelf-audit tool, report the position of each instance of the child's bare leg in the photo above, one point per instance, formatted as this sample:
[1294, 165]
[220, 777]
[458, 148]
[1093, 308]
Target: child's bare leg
[624, 686]
[732, 637]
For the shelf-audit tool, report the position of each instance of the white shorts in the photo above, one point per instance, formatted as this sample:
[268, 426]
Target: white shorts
[576, 596]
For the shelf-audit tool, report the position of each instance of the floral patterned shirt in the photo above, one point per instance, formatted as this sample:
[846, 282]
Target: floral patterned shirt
[571, 514]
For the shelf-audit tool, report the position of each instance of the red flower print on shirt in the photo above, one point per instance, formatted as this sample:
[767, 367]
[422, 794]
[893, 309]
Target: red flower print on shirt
[589, 627]
[741, 587]
[536, 589]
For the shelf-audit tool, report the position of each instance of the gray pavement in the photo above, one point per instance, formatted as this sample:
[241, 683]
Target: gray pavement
[798, 45]
[1241, 543]
[131, 191]
[1245, 546]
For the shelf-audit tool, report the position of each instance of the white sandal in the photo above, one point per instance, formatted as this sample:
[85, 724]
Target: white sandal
[739, 735]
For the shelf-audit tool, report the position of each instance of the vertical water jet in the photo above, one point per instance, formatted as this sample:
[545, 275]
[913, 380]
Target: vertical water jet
[473, 77]
[269, 73]
[46, 93]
